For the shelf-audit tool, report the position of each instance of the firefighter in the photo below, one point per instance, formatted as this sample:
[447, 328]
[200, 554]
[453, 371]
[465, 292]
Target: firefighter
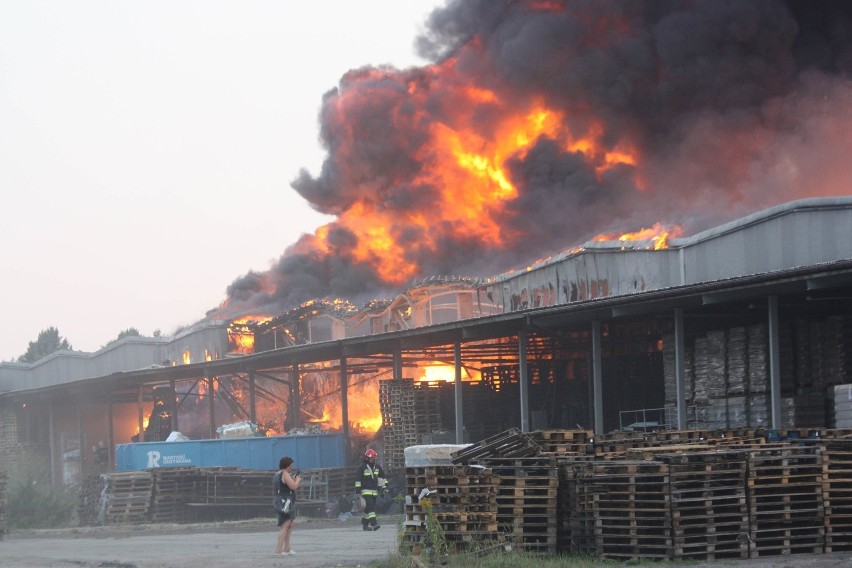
[370, 481]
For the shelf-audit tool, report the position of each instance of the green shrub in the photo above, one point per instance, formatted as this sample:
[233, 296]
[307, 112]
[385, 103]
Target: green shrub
[31, 500]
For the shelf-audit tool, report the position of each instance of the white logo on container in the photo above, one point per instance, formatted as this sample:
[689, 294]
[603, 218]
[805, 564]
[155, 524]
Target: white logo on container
[154, 459]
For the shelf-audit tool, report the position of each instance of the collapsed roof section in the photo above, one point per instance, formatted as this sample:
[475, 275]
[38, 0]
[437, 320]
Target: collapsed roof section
[437, 299]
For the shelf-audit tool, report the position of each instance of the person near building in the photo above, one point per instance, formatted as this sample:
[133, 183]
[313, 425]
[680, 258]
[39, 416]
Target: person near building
[286, 481]
[370, 481]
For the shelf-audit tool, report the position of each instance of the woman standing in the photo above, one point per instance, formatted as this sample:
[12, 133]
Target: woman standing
[284, 482]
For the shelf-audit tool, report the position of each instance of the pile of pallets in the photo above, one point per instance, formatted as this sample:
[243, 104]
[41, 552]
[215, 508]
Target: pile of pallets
[563, 442]
[190, 494]
[173, 487]
[89, 500]
[127, 497]
[527, 501]
[396, 402]
[837, 495]
[2, 504]
[509, 444]
[622, 509]
[711, 495]
[462, 500]
[709, 512]
[786, 512]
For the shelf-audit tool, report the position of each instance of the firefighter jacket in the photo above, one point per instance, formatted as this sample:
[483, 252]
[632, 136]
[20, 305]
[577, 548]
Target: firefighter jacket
[370, 479]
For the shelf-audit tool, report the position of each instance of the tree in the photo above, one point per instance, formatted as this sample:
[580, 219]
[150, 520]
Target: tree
[48, 342]
[129, 332]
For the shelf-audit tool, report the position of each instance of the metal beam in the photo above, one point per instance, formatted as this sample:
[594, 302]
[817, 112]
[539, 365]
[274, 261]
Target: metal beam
[679, 348]
[597, 377]
[459, 407]
[210, 390]
[774, 362]
[344, 403]
[252, 398]
[523, 381]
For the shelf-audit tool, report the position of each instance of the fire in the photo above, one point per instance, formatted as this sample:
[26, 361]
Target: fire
[462, 172]
[658, 235]
[240, 337]
[446, 373]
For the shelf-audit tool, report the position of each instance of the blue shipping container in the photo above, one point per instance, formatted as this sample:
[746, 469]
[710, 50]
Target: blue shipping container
[309, 452]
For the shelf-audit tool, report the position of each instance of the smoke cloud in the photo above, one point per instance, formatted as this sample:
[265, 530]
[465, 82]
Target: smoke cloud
[541, 123]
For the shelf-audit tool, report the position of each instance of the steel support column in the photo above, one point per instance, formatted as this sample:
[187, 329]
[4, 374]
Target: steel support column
[679, 350]
[210, 393]
[173, 404]
[110, 438]
[141, 412]
[344, 403]
[774, 362]
[458, 394]
[252, 398]
[51, 426]
[597, 377]
[523, 381]
[296, 397]
[397, 364]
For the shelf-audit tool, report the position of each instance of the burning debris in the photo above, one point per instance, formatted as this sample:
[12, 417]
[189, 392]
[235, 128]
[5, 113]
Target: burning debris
[543, 123]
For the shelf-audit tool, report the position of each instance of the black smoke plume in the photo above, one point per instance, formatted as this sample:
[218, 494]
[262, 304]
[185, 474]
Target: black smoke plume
[731, 107]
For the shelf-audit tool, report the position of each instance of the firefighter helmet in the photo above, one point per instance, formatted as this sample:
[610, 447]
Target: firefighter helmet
[370, 454]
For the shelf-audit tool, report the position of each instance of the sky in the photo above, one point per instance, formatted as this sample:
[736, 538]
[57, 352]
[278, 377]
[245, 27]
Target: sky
[147, 150]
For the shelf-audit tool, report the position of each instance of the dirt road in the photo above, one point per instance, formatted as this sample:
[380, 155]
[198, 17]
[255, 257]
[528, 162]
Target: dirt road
[318, 544]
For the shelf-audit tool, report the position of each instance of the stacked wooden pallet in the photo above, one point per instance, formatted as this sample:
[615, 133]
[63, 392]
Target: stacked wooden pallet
[837, 495]
[462, 500]
[89, 500]
[396, 402]
[563, 442]
[622, 509]
[233, 485]
[128, 497]
[509, 444]
[709, 513]
[786, 512]
[3, 482]
[173, 487]
[527, 501]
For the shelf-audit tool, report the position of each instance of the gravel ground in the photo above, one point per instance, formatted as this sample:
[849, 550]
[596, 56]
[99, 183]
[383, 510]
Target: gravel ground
[318, 544]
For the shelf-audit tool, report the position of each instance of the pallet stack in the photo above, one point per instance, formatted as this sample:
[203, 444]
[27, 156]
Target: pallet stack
[527, 501]
[2, 504]
[837, 495]
[709, 512]
[461, 499]
[396, 402]
[786, 511]
[128, 497]
[562, 442]
[622, 509]
[172, 487]
[89, 500]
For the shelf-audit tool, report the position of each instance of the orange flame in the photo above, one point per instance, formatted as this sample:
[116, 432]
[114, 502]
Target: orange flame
[462, 162]
[240, 337]
[658, 235]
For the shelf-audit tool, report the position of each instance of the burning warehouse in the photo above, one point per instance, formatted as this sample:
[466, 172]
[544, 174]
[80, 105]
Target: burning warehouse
[602, 336]
[721, 125]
